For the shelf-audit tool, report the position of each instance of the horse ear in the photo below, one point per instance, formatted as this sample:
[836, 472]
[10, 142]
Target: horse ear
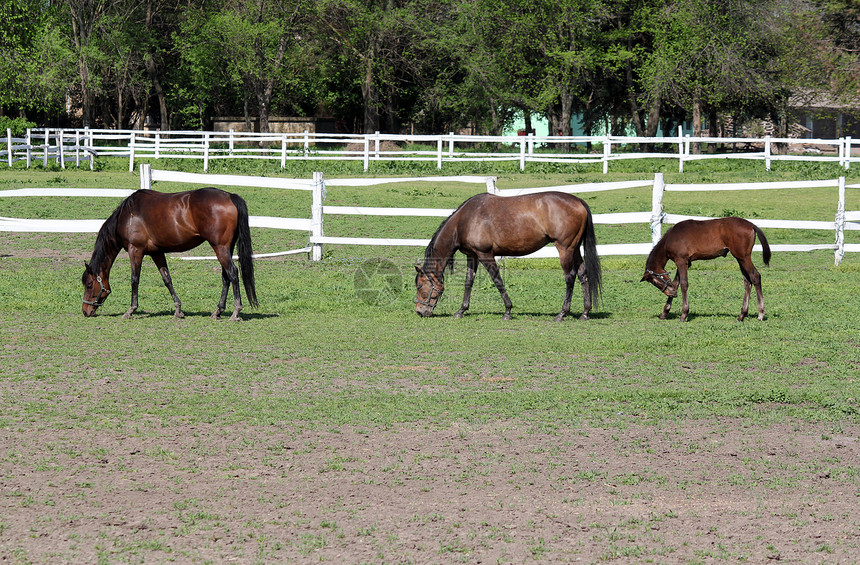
[418, 269]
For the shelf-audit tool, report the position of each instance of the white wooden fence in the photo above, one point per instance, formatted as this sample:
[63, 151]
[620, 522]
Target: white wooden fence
[45, 144]
[653, 218]
[48, 146]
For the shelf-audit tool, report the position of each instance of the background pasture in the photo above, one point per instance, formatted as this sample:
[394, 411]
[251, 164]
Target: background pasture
[324, 428]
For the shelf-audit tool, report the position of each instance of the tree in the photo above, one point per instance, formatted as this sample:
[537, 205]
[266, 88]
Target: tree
[34, 60]
[261, 45]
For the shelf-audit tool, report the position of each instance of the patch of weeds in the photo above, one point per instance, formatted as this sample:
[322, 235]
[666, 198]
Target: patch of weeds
[538, 548]
[311, 542]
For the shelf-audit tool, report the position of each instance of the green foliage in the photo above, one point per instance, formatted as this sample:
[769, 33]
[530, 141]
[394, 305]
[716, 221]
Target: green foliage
[19, 126]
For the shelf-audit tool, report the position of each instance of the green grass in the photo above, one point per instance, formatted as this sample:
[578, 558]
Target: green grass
[316, 354]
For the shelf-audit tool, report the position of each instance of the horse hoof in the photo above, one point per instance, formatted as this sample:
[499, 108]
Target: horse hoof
[235, 319]
[584, 317]
[507, 317]
[458, 315]
[215, 316]
[179, 315]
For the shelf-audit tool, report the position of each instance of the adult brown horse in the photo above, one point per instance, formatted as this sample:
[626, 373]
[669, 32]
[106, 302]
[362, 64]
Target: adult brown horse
[692, 240]
[152, 223]
[486, 226]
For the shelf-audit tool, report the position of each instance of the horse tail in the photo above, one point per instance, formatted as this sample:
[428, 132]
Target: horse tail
[243, 240]
[592, 261]
[765, 248]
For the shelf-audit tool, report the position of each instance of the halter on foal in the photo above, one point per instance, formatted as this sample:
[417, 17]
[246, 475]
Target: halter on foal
[692, 240]
[487, 226]
[152, 223]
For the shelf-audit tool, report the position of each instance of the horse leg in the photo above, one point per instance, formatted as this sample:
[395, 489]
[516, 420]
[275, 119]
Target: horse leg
[471, 267]
[683, 284]
[229, 276]
[668, 305]
[759, 295]
[573, 268]
[161, 263]
[489, 262]
[751, 278]
[135, 257]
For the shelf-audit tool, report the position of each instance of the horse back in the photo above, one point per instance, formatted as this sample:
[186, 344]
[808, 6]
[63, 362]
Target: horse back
[518, 225]
[708, 239]
[156, 221]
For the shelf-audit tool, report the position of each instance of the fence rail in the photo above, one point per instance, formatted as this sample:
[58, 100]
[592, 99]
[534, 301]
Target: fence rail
[48, 145]
[654, 218]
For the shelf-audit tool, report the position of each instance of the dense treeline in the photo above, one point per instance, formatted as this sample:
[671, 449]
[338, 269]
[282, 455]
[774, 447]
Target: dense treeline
[423, 65]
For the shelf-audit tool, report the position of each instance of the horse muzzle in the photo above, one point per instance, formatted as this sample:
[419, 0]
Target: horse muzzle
[424, 310]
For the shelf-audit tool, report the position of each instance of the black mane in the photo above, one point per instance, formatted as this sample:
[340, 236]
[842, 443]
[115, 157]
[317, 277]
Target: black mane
[107, 241]
[431, 248]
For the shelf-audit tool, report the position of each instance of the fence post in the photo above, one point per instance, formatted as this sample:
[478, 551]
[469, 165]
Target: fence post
[45, 148]
[29, 147]
[657, 208]
[847, 142]
[232, 143]
[522, 153]
[9, 146]
[317, 215]
[131, 141]
[283, 151]
[767, 152]
[307, 144]
[451, 145]
[90, 148]
[145, 176]
[840, 222]
[680, 149]
[439, 145]
[491, 185]
[206, 152]
[366, 153]
[78, 148]
[607, 150]
[61, 139]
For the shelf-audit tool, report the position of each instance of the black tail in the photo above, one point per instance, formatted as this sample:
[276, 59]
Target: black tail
[243, 240]
[765, 248]
[592, 261]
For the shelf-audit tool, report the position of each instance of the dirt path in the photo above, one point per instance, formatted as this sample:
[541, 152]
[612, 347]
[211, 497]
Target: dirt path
[495, 494]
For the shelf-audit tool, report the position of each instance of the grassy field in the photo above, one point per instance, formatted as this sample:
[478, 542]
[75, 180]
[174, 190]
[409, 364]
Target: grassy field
[327, 357]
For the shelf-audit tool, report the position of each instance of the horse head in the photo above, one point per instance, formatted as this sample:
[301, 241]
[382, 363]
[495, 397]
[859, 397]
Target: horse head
[96, 290]
[429, 289]
[663, 281]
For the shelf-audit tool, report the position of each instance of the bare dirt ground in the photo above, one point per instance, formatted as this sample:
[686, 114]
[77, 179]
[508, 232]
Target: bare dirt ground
[502, 493]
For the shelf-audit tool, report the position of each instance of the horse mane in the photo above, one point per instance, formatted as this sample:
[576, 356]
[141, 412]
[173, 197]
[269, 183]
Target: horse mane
[431, 247]
[107, 241]
[659, 247]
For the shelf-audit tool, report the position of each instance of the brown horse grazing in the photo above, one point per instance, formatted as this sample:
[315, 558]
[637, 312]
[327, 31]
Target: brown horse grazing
[486, 226]
[692, 240]
[152, 223]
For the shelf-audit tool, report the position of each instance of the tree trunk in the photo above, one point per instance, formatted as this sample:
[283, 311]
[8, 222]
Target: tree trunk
[697, 125]
[152, 71]
[369, 95]
[713, 130]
